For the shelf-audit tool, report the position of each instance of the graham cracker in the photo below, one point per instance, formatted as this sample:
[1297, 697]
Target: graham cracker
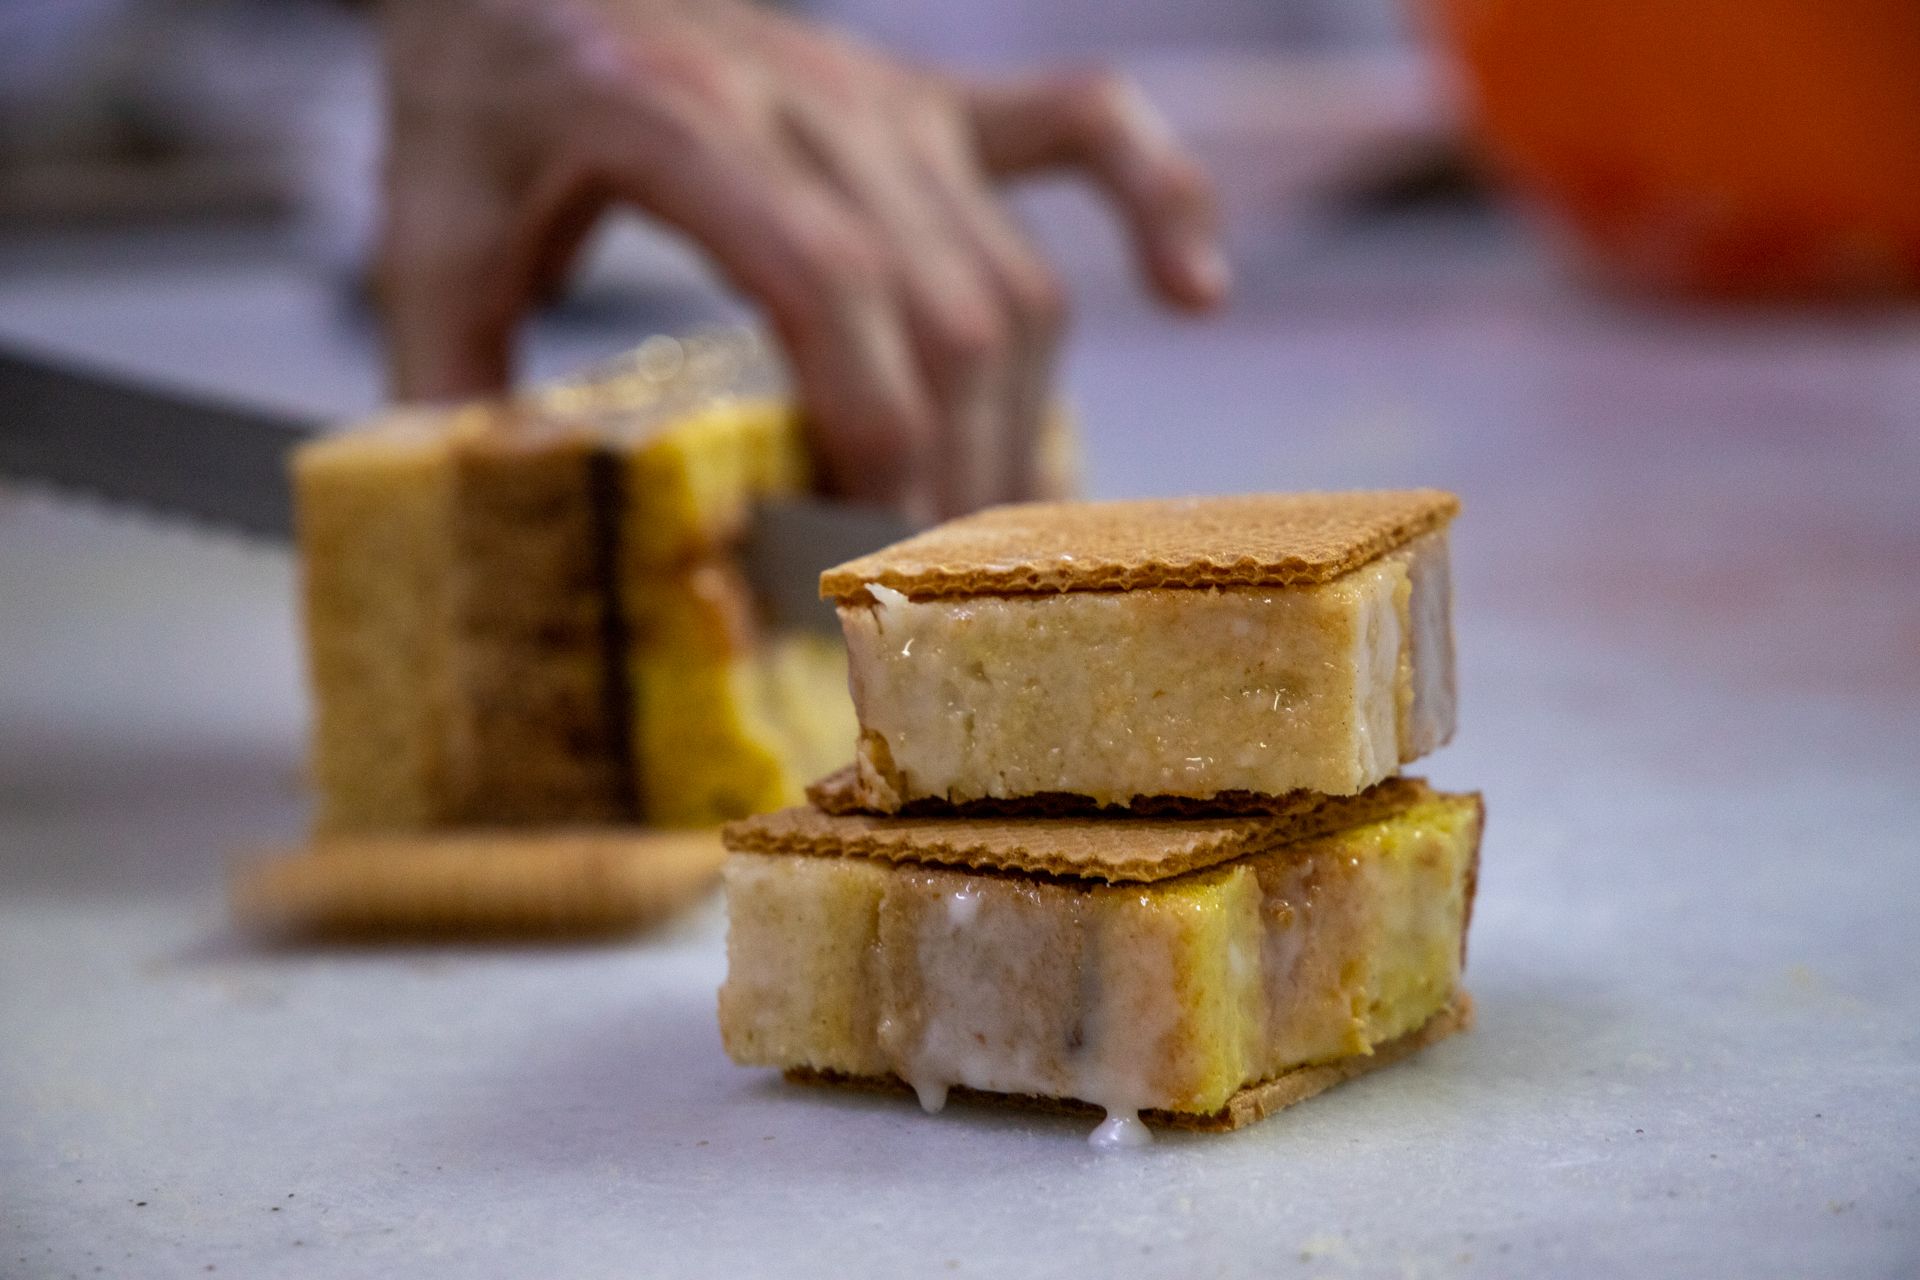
[1252, 540]
[1251, 1104]
[1129, 850]
[554, 883]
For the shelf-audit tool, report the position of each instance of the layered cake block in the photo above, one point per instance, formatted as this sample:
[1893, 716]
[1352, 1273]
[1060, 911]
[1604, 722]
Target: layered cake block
[1196, 972]
[531, 611]
[456, 618]
[1224, 651]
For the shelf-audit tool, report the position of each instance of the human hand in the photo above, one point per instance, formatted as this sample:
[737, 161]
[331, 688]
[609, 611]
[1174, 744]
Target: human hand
[849, 194]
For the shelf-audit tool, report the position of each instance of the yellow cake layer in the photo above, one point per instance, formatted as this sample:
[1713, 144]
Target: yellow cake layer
[1170, 995]
[721, 737]
[530, 611]
[689, 491]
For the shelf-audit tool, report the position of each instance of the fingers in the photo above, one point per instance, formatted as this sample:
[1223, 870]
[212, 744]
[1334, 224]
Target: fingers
[1031, 297]
[449, 313]
[460, 264]
[961, 301]
[1100, 124]
[920, 325]
[784, 238]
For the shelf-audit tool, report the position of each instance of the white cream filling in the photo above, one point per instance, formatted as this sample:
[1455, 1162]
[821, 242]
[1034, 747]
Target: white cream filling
[971, 1033]
[1120, 1131]
[1428, 720]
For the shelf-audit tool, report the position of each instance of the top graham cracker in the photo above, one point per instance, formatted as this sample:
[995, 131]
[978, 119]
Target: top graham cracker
[1252, 540]
[1111, 850]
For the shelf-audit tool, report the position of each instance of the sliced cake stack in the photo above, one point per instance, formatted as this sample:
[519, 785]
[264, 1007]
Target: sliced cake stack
[532, 644]
[532, 611]
[1125, 828]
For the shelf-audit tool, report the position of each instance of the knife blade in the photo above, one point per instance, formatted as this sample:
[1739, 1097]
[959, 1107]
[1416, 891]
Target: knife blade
[172, 454]
[792, 541]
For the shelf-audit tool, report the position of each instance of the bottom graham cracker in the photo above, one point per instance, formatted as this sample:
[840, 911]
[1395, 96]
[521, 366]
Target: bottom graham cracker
[481, 884]
[1253, 1103]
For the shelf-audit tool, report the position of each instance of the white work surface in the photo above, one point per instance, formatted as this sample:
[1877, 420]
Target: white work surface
[1689, 613]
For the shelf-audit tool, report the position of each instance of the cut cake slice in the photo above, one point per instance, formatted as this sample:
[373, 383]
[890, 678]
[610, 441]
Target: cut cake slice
[1201, 972]
[1118, 654]
[529, 611]
[456, 614]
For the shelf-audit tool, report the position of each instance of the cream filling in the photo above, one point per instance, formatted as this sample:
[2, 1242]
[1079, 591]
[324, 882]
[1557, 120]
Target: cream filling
[967, 955]
[975, 951]
[1169, 692]
[1427, 713]
[1119, 1132]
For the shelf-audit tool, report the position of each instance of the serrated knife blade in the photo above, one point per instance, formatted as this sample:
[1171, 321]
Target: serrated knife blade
[172, 454]
[792, 541]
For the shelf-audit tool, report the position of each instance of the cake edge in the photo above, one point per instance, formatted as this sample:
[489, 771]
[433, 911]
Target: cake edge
[1250, 1105]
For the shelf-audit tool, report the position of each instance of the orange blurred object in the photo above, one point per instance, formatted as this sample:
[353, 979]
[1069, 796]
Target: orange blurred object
[1726, 147]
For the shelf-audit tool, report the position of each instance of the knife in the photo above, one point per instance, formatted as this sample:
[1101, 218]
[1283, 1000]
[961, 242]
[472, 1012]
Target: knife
[224, 465]
[136, 446]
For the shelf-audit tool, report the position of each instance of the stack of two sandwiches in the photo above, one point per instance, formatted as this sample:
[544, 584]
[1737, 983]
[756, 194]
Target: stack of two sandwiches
[1125, 830]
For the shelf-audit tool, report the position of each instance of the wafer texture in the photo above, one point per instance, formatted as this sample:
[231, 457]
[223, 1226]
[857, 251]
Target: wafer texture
[1254, 540]
[560, 883]
[1131, 850]
[1250, 1105]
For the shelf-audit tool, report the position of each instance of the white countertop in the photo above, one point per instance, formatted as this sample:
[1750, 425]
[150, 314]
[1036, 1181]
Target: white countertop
[1690, 647]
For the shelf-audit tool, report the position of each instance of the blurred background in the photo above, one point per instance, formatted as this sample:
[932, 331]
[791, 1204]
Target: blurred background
[1649, 268]
[1635, 278]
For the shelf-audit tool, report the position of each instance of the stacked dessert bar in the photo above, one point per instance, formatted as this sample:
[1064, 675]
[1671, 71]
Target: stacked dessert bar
[1126, 828]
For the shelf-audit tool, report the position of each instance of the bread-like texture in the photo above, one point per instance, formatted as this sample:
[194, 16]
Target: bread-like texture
[531, 611]
[1091, 847]
[1172, 995]
[375, 542]
[720, 735]
[522, 882]
[1248, 1106]
[1131, 697]
[728, 716]
[814, 948]
[688, 486]
[535, 731]
[456, 613]
[1253, 540]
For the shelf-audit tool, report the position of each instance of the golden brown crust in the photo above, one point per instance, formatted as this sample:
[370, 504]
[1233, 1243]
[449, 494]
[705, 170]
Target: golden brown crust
[487, 883]
[1085, 848]
[839, 793]
[1253, 1103]
[1252, 540]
